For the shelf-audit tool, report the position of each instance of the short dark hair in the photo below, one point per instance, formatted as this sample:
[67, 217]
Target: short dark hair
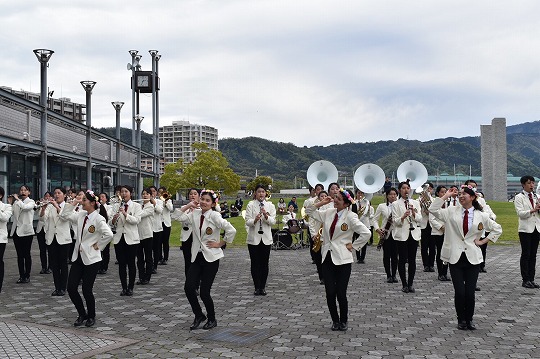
[526, 178]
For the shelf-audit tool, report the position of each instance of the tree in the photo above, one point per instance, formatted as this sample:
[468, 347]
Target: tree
[264, 180]
[209, 170]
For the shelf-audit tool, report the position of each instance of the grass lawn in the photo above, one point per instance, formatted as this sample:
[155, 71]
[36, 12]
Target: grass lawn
[506, 217]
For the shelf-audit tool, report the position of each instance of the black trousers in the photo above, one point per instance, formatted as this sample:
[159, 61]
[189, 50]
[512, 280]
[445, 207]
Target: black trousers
[442, 268]
[390, 256]
[125, 254]
[186, 251]
[260, 256]
[407, 255]
[2, 250]
[336, 281]
[145, 263]
[58, 255]
[165, 240]
[42, 243]
[529, 247]
[23, 245]
[88, 275]
[105, 257]
[427, 247]
[156, 247]
[202, 272]
[464, 278]
[71, 245]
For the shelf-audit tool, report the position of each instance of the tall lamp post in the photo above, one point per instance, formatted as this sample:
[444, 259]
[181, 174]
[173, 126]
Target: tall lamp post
[138, 120]
[134, 66]
[155, 125]
[43, 56]
[88, 86]
[117, 106]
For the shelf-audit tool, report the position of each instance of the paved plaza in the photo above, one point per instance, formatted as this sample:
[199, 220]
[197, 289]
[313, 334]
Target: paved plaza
[291, 321]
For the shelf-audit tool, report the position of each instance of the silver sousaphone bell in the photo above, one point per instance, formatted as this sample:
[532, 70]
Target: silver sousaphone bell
[369, 178]
[323, 172]
[413, 170]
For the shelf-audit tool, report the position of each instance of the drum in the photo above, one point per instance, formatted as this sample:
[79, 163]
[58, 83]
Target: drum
[282, 240]
[294, 226]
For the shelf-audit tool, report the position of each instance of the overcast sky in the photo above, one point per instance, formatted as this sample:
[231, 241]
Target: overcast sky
[308, 72]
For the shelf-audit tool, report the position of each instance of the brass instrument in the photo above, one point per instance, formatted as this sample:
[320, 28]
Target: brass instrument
[425, 198]
[317, 242]
[385, 232]
[410, 219]
[116, 203]
[165, 196]
[41, 203]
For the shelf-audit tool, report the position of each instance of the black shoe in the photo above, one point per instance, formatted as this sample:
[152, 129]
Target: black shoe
[43, 271]
[164, 262]
[462, 325]
[360, 261]
[483, 270]
[123, 292]
[405, 289]
[389, 280]
[90, 322]
[210, 324]
[26, 280]
[262, 291]
[535, 285]
[129, 292]
[20, 280]
[257, 292]
[432, 269]
[394, 279]
[139, 282]
[321, 281]
[526, 284]
[411, 289]
[343, 327]
[471, 325]
[197, 293]
[61, 293]
[154, 271]
[102, 271]
[426, 269]
[55, 293]
[80, 321]
[197, 321]
[335, 326]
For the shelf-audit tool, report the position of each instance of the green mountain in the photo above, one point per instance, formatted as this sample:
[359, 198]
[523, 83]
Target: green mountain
[283, 161]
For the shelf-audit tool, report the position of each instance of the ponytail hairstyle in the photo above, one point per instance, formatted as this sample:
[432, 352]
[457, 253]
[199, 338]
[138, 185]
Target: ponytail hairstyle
[401, 184]
[90, 196]
[347, 196]
[438, 190]
[469, 190]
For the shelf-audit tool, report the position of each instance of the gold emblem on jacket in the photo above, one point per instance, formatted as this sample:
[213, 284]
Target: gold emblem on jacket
[480, 226]
[209, 231]
[344, 227]
[91, 229]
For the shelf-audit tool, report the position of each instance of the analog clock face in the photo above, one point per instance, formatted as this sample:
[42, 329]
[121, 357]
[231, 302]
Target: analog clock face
[142, 81]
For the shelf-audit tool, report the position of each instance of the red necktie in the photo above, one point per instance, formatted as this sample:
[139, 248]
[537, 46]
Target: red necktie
[454, 201]
[292, 215]
[202, 220]
[83, 225]
[333, 226]
[531, 199]
[466, 222]
[126, 207]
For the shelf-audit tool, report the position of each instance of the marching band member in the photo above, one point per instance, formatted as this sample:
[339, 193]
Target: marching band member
[260, 217]
[206, 252]
[437, 234]
[92, 235]
[527, 208]
[104, 201]
[286, 218]
[463, 228]
[316, 233]
[126, 239]
[40, 235]
[5, 214]
[58, 239]
[73, 194]
[363, 207]
[22, 231]
[427, 245]
[168, 208]
[453, 200]
[386, 241]
[157, 227]
[339, 224]
[406, 214]
[186, 237]
[145, 263]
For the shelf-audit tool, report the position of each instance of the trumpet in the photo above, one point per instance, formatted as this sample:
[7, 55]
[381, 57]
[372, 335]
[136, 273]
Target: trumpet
[425, 198]
[317, 243]
[410, 219]
[165, 196]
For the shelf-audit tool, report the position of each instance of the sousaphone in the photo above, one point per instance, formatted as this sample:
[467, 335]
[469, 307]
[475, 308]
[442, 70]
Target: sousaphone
[413, 170]
[323, 172]
[369, 178]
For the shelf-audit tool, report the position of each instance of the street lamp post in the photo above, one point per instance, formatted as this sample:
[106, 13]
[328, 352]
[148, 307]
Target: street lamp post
[88, 86]
[156, 171]
[154, 54]
[138, 120]
[43, 56]
[134, 66]
[117, 106]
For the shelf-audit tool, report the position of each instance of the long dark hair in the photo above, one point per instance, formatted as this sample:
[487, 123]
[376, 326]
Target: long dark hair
[401, 184]
[90, 196]
[388, 192]
[472, 193]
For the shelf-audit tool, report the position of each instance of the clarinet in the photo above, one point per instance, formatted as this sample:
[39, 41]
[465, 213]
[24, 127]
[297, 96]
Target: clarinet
[261, 204]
